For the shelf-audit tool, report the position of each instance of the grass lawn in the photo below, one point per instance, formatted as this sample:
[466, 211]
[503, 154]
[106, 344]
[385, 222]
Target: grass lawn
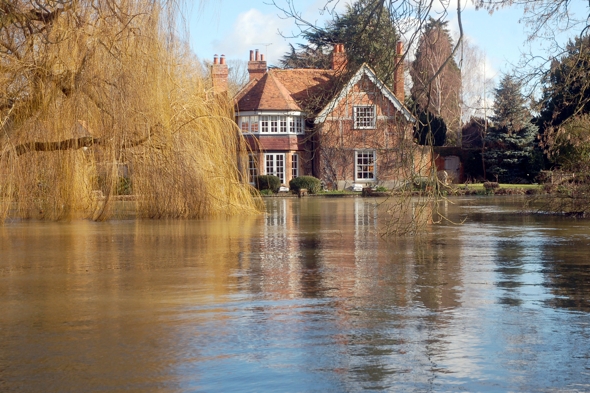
[479, 186]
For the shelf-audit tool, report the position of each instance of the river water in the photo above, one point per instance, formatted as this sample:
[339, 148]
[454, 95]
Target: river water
[307, 298]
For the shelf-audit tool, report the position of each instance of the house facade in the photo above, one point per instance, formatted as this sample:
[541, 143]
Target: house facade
[343, 126]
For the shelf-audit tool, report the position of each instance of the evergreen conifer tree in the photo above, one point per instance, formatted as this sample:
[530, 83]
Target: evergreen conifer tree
[564, 118]
[510, 154]
[368, 35]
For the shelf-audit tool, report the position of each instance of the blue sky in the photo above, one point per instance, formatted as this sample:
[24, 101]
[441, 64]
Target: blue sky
[233, 27]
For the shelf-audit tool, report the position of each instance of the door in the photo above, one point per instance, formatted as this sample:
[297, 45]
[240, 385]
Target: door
[275, 165]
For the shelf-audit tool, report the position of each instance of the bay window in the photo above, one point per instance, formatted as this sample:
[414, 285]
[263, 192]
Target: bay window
[272, 124]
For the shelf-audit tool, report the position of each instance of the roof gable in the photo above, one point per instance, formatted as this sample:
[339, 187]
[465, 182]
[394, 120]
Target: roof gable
[364, 70]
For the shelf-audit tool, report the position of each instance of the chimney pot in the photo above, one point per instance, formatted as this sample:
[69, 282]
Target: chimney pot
[256, 65]
[219, 74]
[398, 73]
[339, 59]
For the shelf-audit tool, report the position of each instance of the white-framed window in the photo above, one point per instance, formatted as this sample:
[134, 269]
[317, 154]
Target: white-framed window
[294, 165]
[272, 124]
[244, 123]
[274, 164]
[248, 124]
[252, 168]
[365, 168]
[283, 124]
[264, 123]
[364, 116]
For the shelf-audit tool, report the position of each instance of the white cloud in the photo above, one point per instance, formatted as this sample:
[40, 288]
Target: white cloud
[250, 31]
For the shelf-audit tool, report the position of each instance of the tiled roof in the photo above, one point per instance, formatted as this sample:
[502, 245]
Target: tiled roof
[297, 90]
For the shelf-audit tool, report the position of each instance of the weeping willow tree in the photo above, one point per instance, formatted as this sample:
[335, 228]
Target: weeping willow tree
[99, 92]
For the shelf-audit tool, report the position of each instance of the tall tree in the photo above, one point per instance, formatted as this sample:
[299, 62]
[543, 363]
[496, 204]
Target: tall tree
[436, 78]
[510, 153]
[565, 106]
[366, 29]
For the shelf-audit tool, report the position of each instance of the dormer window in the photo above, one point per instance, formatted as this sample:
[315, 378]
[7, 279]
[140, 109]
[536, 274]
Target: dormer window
[364, 117]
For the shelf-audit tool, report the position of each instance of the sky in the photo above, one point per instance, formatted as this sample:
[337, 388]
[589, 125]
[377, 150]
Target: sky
[234, 27]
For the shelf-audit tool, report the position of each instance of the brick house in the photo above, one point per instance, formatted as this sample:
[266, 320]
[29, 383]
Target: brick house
[343, 126]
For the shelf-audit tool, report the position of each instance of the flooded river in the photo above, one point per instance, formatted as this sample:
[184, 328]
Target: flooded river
[306, 298]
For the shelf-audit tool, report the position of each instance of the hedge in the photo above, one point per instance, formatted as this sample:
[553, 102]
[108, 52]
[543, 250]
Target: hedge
[267, 182]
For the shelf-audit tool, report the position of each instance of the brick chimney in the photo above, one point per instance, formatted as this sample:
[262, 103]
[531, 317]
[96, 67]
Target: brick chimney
[256, 65]
[398, 73]
[339, 59]
[219, 73]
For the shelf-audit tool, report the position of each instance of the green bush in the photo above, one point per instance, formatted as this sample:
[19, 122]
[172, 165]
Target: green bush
[267, 182]
[312, 184]
[422, 182]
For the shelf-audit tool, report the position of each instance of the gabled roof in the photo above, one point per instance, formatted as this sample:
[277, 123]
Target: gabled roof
[293, 89]
[306, 90]
[365, 70]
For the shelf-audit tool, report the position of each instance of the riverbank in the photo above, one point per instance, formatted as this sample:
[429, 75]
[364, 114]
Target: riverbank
[451, 190]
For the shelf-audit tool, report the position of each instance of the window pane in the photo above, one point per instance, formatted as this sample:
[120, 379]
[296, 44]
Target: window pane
[253, 123]
[274, 124]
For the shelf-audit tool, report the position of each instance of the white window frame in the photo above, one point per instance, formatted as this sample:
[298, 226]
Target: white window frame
[252, 167]
[365, 165]
[294, 165]
[264, 124]
[362, 120]
[274, 164]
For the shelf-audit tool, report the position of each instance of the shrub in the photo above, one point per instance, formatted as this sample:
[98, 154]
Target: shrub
[267, 182]
[312, 184]
[421, 183]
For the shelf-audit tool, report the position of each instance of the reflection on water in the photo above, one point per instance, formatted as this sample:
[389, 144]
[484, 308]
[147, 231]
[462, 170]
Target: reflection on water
[305, 298]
